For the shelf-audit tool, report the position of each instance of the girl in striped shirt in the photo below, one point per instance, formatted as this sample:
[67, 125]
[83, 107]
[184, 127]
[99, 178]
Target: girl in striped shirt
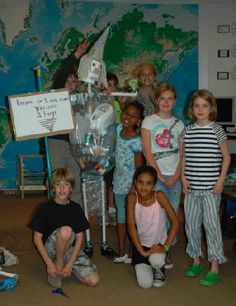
[205, 161]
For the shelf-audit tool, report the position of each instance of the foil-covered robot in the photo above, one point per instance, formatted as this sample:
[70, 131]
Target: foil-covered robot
[92, 69]
[92, 142]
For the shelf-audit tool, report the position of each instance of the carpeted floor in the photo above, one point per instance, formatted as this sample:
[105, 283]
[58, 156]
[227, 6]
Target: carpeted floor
[118, 285]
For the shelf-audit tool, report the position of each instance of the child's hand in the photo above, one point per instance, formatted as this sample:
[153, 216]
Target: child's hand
[145, 253]
[185, 185]
[157, 248]
[161, 178]
[218, 187]
[170, 181]
[81, 49]
[51, 269]
[66, 271]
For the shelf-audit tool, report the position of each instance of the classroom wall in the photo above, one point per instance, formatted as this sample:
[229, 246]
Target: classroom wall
[217, 31]
[47, 31]
[22, 38]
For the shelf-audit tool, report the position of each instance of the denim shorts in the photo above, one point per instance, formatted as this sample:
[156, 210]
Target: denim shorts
[120, 202]
[83, 267]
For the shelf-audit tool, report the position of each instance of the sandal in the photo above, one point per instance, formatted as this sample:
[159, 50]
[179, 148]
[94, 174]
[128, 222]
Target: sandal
[210, 279]
[193, 270]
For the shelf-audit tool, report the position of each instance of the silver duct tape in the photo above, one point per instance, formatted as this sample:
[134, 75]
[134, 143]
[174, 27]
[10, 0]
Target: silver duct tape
[95, 190]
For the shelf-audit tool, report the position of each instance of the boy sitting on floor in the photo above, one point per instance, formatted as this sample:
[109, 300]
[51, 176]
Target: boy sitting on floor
[58, 234]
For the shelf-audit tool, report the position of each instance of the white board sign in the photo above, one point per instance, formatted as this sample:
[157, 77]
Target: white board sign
[41, 114]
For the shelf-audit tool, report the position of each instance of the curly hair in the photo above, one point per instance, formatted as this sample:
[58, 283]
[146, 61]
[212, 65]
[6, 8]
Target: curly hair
[146, 169]
[145, 66]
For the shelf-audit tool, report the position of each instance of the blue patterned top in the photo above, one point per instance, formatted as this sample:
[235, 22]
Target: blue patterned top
[125, 161]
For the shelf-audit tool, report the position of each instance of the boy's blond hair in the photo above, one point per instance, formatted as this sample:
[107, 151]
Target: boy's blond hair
[62, 174]
[209, 97]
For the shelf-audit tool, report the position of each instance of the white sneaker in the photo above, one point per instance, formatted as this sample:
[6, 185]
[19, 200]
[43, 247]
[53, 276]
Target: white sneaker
[159, 277]
[120, 259]
[128, 261]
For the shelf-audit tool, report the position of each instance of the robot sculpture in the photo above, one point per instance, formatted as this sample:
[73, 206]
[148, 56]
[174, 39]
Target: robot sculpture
[92, 142]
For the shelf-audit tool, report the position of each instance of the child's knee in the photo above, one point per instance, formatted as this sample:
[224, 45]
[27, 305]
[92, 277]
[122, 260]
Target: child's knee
[145, 283]
[65, 233]
[157, 260]
[91, 280]
[144, 275]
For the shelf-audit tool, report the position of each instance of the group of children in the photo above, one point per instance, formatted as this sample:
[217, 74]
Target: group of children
[152, 157]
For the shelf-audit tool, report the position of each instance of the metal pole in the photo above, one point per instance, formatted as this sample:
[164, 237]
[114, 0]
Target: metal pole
[49, 171]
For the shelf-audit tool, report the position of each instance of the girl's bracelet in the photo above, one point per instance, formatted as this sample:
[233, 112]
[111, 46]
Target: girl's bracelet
[166, 247]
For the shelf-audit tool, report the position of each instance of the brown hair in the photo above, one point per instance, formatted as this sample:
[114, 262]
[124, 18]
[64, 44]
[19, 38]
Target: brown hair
[209, 97]
[62, 174]
[164, 87]
[138, 70]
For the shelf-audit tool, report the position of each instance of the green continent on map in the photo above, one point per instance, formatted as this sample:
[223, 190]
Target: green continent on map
[134, 40]
[68, 41]
[131, 41]
[5, 132]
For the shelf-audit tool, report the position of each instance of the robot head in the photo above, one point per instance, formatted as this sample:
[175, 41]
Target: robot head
[94, 72]
[92, 68]
[102, 117]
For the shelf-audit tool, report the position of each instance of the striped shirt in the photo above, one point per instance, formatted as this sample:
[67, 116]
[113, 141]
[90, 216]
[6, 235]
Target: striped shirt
[203, 157]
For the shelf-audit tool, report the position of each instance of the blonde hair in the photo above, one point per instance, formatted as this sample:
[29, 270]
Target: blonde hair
[163, 87]
[207, 96]
[140, 68]
[62, 174]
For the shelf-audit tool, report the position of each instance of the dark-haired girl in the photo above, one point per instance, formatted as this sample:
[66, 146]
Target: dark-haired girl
[146, 211]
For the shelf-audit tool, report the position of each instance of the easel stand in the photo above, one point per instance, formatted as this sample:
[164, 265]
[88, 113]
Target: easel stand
[93, 190]
[31, 180]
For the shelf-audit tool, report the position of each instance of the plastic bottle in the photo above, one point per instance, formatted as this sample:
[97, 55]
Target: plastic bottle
[102, 166]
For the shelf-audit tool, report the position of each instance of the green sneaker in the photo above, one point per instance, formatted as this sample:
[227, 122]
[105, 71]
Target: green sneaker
[210, 279]
[193, 270]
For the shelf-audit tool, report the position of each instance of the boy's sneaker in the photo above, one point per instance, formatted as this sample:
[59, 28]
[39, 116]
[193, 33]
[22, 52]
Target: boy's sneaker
[159, 277]
[88, 249]
[168, 262]
[55, 281]
[106, 250]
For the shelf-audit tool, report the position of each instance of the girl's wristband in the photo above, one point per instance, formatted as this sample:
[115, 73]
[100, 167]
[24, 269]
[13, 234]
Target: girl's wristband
[166, 247]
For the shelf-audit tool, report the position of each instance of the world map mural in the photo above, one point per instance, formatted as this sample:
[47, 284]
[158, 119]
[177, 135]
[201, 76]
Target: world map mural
[45, 32]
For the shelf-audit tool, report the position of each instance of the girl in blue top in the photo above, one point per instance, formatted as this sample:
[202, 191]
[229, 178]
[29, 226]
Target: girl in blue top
[128, 156]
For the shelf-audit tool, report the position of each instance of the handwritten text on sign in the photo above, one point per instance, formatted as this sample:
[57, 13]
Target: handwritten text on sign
[41, 114]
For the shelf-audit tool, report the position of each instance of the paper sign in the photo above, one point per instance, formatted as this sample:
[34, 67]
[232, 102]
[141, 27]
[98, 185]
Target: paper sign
[41, 114]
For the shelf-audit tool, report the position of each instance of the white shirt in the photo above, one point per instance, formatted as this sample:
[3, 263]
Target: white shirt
[164, 141]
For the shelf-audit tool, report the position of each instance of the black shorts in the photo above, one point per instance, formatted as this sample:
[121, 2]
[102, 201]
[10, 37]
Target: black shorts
[137, 258]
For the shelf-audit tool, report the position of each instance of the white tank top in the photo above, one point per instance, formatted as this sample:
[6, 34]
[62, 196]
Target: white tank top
[150, 222]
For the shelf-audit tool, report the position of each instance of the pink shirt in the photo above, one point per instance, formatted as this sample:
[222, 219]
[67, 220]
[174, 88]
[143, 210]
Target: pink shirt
[150, 222]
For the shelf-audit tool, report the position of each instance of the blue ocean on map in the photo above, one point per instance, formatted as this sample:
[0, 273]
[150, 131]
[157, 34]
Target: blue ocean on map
[46, 26]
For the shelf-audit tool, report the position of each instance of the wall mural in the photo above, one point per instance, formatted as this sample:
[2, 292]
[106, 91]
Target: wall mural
[45, 32]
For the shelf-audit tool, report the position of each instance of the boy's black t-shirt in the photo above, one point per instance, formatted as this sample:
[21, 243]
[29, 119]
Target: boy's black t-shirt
[51, 216]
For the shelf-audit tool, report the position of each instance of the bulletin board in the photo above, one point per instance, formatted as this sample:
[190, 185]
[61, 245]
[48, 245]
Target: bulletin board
[41, 114]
